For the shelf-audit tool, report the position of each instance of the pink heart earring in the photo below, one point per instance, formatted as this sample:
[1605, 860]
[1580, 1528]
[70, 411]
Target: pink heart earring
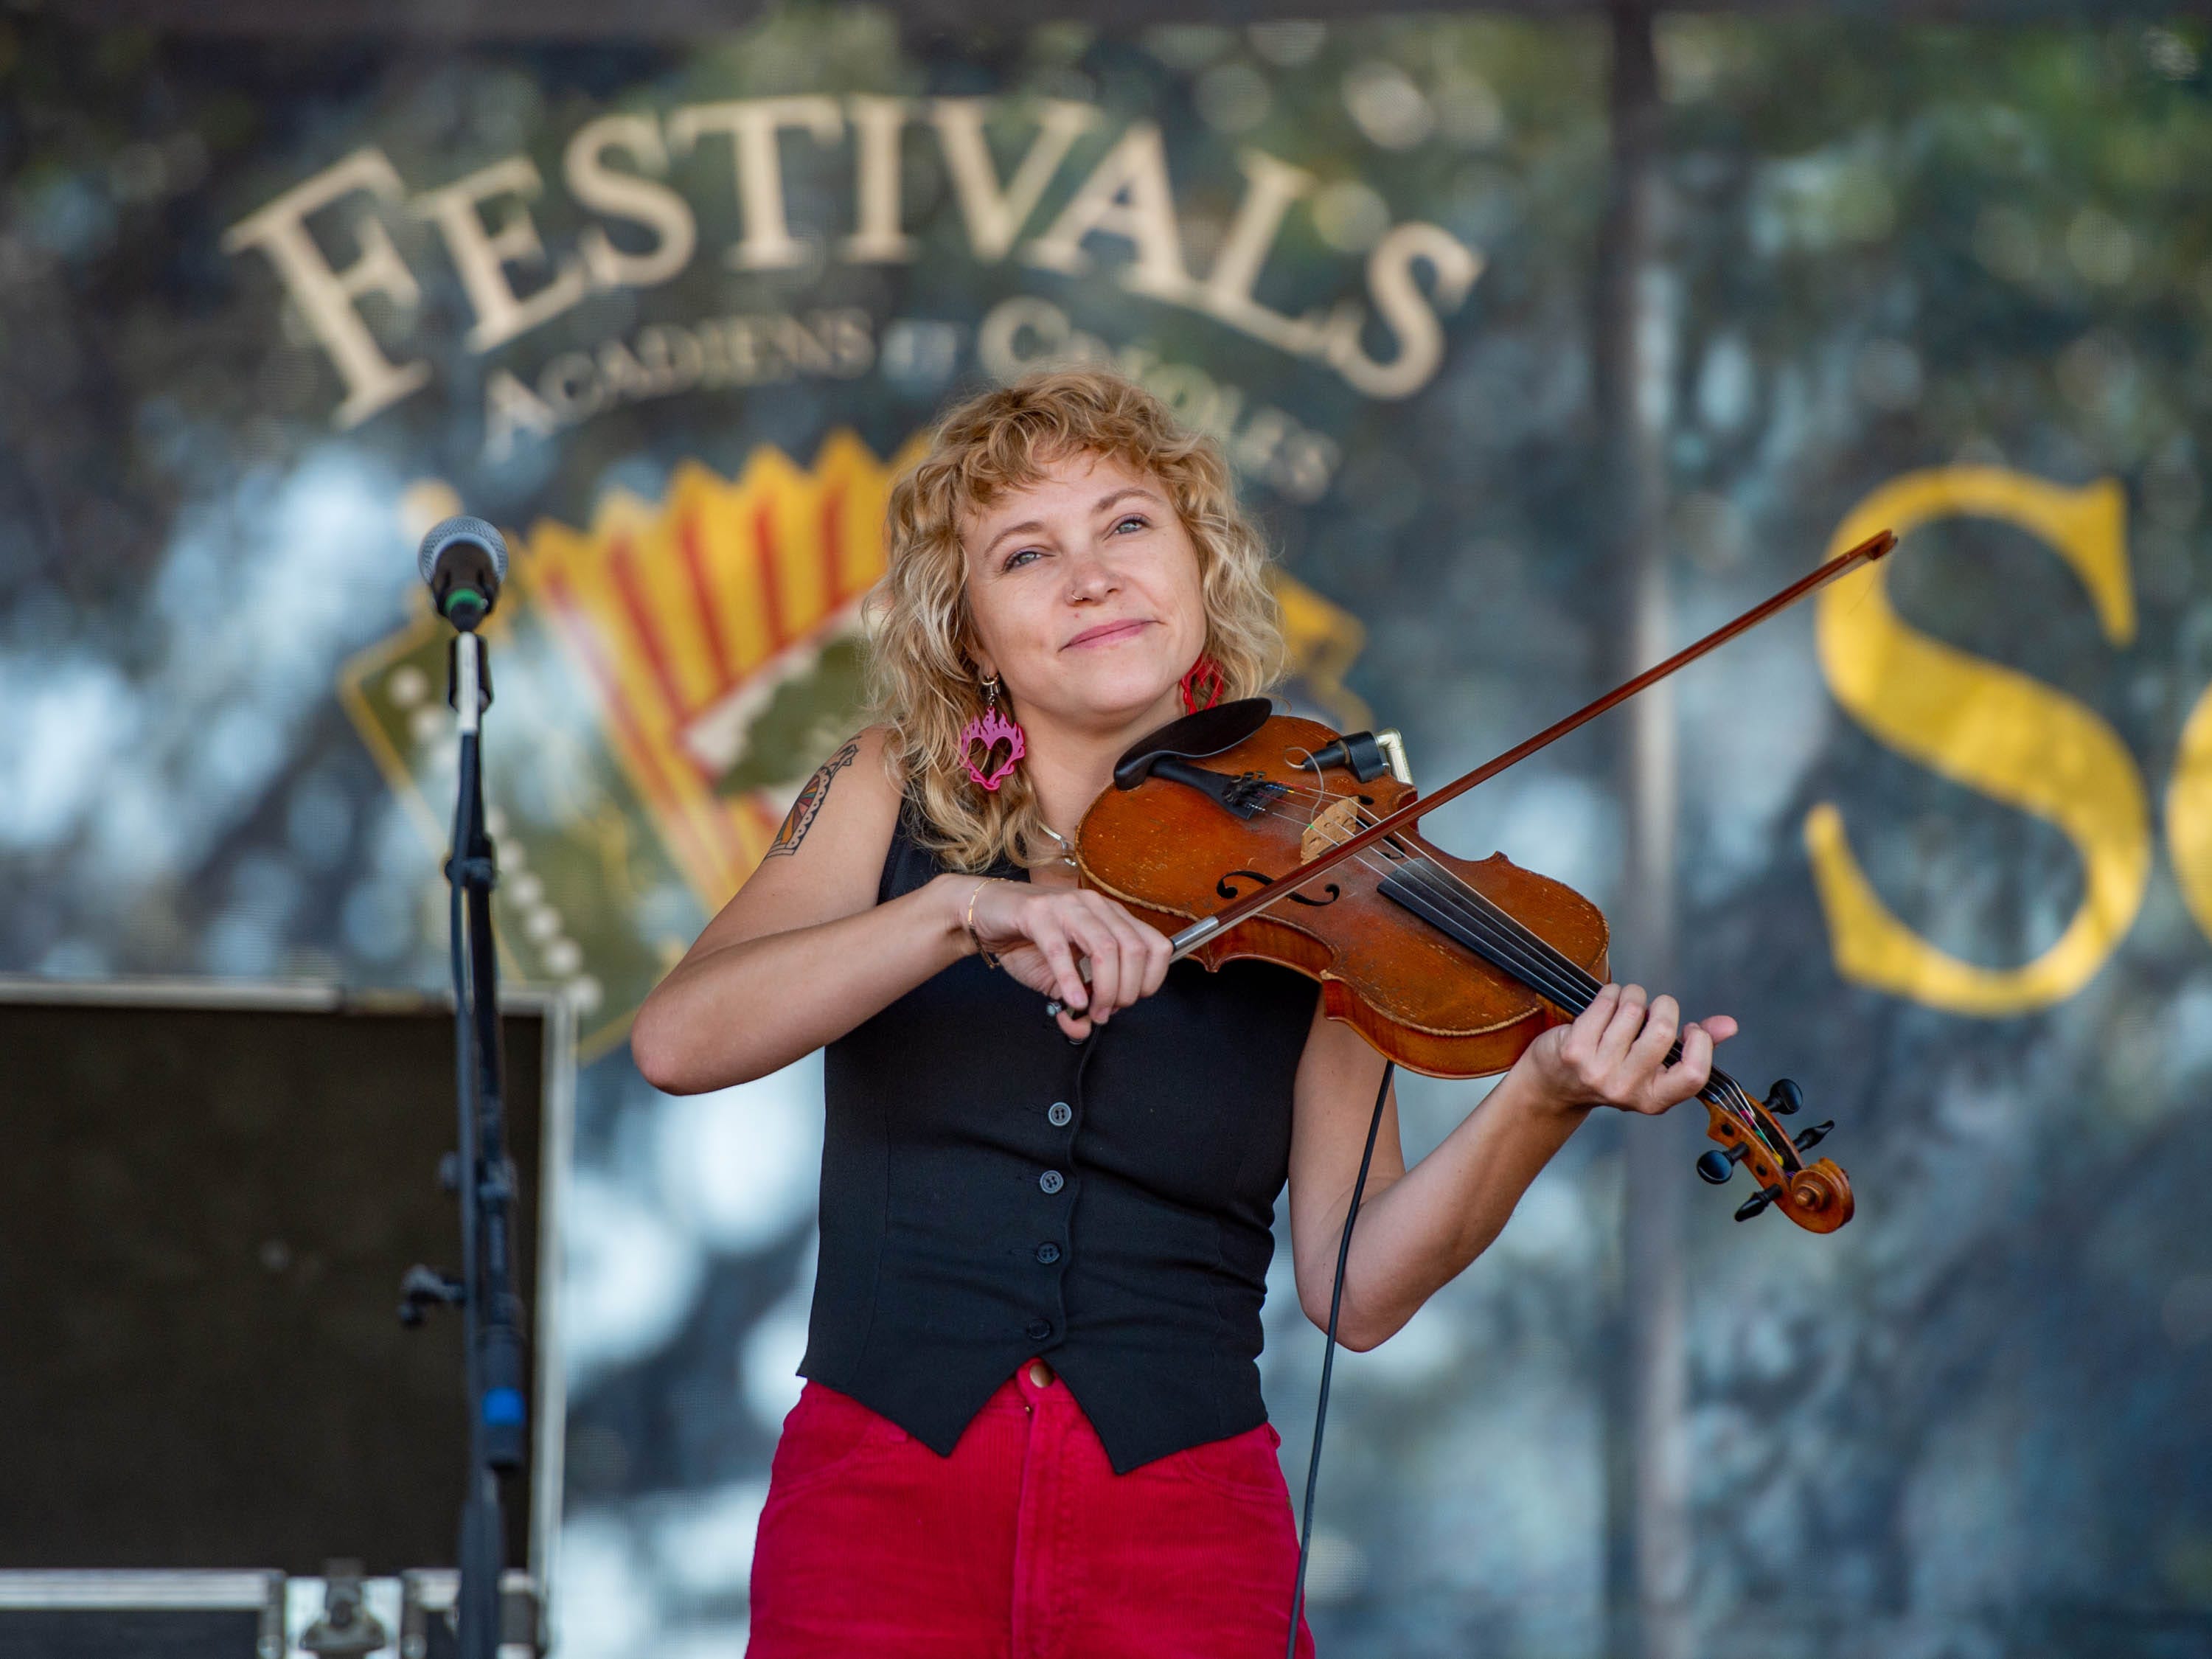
[987, 732]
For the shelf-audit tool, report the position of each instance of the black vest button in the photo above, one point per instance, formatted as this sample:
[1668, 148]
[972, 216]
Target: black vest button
[1047, 1253]
[1058, 1113]
[1040, 1329]
[1051, 1181]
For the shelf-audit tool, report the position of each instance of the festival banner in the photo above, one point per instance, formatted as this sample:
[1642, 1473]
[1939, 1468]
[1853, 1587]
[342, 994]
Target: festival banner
[673, 313]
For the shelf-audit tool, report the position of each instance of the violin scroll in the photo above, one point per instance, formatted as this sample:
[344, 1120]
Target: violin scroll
[1817, 1196]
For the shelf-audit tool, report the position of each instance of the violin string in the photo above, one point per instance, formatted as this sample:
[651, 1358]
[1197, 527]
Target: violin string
[1566, 983]
[1443, 881]
[1446, 883]
[1474, 907]
[1529, 967]
[1530, 964]
[1522, 954]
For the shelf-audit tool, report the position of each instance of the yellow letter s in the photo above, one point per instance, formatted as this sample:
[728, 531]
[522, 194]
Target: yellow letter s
[1995, 730]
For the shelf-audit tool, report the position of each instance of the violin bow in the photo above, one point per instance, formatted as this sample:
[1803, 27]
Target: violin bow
[1258, 899]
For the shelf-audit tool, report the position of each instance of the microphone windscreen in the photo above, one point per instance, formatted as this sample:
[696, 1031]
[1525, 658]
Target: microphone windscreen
[447, 532]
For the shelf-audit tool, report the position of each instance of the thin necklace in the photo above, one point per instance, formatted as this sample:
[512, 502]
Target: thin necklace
[1067, 853]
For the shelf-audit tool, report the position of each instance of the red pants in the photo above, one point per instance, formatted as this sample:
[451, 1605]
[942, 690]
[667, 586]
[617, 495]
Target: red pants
[1023, 1544]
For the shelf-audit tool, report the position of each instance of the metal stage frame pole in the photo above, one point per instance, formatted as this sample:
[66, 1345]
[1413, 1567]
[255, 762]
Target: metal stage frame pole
[1647, 1467]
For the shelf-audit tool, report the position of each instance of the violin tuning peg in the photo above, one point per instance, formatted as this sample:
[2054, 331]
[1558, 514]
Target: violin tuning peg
[1757, 1202]
[1785, 1098]
[1813, 1137]
[1717, 1166]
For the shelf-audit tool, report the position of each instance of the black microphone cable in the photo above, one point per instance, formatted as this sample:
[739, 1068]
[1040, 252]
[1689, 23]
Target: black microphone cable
[1328, 1357]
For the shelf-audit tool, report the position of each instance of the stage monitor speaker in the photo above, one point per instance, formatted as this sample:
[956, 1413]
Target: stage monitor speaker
[207, 1195]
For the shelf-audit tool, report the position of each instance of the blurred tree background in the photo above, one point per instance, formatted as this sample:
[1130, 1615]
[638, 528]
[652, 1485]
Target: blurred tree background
[1969, 1425]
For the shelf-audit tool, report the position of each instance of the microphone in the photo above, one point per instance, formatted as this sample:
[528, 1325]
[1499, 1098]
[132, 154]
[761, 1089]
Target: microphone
[464, 560]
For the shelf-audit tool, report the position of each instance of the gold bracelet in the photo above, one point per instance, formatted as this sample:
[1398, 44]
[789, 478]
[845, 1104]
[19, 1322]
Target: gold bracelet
[974, 938]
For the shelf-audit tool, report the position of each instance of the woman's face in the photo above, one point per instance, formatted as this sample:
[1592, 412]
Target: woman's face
[1084, 590]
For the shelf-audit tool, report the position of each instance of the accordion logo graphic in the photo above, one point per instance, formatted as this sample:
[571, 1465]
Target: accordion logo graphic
[720, 630]
[665, 680]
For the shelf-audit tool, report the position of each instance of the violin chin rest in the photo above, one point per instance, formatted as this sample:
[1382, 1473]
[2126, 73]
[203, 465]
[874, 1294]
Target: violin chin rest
[1208, 731]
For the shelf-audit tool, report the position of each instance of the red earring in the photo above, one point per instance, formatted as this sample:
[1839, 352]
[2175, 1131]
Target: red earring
[981, 737]
[1203, 685]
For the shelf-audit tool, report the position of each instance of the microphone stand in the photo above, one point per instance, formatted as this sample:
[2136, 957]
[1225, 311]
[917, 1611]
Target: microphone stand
[481, 1175]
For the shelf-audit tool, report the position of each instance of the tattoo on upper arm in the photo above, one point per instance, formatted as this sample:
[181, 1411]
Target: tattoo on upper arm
[800, 818]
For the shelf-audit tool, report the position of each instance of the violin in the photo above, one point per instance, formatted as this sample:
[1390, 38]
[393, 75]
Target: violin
[1243, 833]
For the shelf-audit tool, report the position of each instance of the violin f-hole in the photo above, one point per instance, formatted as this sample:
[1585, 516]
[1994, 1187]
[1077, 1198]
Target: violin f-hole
[1226, 887]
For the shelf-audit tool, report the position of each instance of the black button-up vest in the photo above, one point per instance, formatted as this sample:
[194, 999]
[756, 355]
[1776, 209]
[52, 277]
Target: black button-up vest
[991, 1191]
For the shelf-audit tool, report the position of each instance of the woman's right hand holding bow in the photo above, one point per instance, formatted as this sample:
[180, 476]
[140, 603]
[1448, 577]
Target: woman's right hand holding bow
[1080, 949]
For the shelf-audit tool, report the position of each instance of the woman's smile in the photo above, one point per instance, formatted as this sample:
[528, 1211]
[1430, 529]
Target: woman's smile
[1109, 633]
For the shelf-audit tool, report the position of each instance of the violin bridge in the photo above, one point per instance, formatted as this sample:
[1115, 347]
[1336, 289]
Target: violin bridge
[1337, 822]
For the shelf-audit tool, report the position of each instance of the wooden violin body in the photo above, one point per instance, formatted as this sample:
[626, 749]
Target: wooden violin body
[1450, 967]
[1173, 854]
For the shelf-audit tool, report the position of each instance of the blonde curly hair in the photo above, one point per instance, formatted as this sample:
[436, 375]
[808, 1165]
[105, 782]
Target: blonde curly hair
[923, 682]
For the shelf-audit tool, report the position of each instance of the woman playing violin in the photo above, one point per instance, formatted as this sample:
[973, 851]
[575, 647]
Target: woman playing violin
[1051, 1159]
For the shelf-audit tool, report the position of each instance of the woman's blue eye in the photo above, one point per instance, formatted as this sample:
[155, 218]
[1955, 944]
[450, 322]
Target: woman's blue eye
[1135, 519]
[1019, 555]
